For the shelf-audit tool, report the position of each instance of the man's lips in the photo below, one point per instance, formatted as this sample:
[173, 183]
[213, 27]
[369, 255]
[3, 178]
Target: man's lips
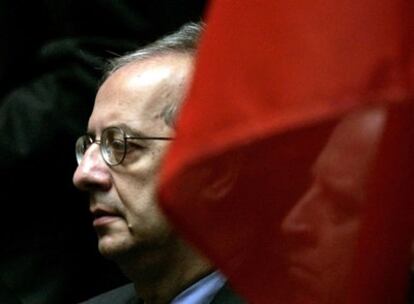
[104, 216]
[306, 266]
[104, 220]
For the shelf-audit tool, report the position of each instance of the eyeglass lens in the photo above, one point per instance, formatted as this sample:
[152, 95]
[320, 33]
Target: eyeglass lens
[112, 146]
[82, 144]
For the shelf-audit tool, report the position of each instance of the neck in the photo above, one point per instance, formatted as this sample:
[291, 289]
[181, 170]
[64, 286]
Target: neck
[167, 274]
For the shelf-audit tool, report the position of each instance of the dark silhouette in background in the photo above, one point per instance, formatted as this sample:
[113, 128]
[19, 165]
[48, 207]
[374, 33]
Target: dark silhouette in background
[51, 55]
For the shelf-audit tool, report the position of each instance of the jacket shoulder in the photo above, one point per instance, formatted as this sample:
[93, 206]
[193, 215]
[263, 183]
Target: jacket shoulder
[121, 295]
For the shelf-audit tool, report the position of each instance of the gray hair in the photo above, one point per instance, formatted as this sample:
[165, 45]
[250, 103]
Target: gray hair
[184, 40]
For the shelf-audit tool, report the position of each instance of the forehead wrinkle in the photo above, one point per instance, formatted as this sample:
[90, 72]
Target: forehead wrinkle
[168, 96]
[163, 69]
[147, 77]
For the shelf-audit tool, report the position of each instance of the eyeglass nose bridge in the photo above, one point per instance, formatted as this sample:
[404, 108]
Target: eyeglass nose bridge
[101, 150]
[80, 156]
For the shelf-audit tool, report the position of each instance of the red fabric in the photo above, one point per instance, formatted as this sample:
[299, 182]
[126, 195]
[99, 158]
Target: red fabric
[273, 83]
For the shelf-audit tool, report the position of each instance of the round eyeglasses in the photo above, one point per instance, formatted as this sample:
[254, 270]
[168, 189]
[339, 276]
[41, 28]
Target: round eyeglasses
[113, 145]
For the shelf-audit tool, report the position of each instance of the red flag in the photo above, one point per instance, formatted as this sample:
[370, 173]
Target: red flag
[282, 172]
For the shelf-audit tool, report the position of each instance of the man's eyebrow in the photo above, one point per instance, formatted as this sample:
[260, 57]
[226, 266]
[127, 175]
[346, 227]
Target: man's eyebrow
[129, 130]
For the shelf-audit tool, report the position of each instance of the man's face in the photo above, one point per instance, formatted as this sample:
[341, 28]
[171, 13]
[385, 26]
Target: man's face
[122, 198]
[320, 230]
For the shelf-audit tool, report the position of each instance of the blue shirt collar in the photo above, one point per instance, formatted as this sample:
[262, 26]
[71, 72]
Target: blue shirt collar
[203, 291]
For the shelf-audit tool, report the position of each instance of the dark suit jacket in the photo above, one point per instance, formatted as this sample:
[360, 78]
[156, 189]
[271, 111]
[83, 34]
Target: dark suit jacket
[126, 295]
[6, 295]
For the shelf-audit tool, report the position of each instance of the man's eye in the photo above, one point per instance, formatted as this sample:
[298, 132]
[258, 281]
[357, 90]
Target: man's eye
[131, 146]
[117, 145]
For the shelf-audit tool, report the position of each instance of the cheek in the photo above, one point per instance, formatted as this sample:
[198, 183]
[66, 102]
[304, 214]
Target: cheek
[149, 224]
[339, 246]
[137, 195]
[342, 229]
[136, 185]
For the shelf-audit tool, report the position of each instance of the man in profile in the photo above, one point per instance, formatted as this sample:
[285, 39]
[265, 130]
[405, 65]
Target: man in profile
[119, 158]
[321, 229]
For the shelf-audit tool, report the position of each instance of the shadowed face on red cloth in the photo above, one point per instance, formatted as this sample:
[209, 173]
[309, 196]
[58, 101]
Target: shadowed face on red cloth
[320, 231]
[308, 207]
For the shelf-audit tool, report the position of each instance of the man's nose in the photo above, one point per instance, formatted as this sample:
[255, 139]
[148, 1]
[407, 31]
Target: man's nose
[92, 173]
[302, 221]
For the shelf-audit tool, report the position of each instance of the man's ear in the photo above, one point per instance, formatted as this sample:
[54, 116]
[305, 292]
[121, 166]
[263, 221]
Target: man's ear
[221, 177]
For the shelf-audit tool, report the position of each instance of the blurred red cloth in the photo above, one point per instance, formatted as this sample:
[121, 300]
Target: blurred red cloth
[273, 83]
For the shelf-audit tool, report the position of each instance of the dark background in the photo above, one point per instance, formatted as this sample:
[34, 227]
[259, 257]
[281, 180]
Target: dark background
[51, 57]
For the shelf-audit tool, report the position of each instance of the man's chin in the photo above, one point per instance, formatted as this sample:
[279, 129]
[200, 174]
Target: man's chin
[112, 249]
